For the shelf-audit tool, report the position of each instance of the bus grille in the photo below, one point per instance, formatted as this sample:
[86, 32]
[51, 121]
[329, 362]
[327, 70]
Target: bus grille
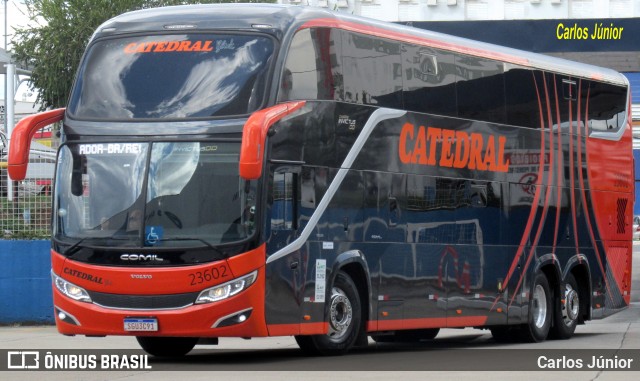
[143, 302]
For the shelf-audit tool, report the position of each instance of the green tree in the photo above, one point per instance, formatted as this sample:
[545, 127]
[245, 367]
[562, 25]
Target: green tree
[52, 50]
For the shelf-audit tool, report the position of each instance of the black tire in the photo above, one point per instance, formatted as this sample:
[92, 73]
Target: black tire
[167, 346]
[344, 314]
[540, 311]
[567, 310]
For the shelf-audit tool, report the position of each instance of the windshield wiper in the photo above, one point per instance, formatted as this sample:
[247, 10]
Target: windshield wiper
[74, 248]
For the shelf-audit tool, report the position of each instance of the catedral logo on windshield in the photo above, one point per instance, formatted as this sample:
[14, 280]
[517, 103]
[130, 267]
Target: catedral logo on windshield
[458, 149]
[169, 46]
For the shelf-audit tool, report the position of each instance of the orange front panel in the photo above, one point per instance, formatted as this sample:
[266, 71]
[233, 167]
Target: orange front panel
[156, 280]
[196, 320]
[298, 329]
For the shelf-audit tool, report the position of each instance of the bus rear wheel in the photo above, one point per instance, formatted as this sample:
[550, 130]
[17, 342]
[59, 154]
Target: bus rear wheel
[567, 310]
[167, 346]
[344, 315]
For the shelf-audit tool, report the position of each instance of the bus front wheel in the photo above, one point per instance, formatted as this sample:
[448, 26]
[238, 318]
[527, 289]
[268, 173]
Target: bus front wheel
[167, 346]
[344, 315]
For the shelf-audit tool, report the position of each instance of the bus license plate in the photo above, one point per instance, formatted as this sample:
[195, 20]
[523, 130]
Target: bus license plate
[141, 325]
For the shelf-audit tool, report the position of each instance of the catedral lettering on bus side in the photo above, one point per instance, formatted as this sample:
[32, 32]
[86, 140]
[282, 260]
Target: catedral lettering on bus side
[459, 149]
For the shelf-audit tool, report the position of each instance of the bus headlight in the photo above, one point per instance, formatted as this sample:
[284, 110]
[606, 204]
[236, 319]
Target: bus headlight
[225, 290]
[71, 290]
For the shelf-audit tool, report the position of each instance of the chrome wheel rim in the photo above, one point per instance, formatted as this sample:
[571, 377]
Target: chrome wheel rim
[340, 314]
[539, 306]
[571, 306]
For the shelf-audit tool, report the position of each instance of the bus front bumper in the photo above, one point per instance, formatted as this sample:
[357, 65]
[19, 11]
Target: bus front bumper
[241, 315]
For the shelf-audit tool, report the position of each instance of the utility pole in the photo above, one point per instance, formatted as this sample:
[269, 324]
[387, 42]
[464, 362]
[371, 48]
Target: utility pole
[10, 117]
[5, 24]
[6, 74]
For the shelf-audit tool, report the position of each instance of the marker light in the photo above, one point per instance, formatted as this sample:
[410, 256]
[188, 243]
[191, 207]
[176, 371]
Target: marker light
[71, 290]
[225, 290]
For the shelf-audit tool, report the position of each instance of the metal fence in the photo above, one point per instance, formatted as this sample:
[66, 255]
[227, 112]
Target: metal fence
[25, 206]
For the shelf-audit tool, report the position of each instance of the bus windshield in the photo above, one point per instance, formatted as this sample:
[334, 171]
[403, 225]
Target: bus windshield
[172, 77]
[163, 194]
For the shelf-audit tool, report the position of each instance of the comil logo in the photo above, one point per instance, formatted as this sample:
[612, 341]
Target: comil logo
[23, 360]
[141, 257]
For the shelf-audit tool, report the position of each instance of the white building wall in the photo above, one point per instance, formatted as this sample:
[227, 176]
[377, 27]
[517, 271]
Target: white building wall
[457, 10]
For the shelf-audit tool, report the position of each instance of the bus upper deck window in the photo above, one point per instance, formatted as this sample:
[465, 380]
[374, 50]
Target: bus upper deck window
[177, 76]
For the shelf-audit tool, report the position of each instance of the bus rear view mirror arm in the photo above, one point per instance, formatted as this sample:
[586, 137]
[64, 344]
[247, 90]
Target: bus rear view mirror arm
[20, 143]
[254, 135]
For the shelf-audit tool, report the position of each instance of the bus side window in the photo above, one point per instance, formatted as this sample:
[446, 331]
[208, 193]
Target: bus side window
[283, 208]
[372, 69]
[521, 88]
[429, 82]
[312, 69]
[606, 106]
[480, 89]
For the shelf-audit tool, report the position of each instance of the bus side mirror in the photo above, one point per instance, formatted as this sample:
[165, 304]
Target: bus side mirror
[20, 143]
[254, 136]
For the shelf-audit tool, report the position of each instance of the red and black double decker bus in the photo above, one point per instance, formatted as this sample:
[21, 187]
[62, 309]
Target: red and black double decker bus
[259, 170]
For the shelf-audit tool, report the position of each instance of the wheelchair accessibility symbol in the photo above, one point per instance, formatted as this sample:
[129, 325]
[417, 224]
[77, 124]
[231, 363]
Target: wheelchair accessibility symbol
[153, 235]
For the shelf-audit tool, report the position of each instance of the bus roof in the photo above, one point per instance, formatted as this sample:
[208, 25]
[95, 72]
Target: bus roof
[278, 19]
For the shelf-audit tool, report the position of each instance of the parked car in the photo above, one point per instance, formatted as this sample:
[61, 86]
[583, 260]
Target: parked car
[636, 227]
[39, 174]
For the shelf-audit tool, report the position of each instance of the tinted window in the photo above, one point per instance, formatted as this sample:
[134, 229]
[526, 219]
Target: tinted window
[312, 69]
[480, 89]
[429, 80]
[284, 201]
[521, 95]
[372, 71]
[607, 106]
[172, 76]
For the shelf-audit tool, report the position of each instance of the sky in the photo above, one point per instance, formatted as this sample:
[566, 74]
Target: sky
[16, 16]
